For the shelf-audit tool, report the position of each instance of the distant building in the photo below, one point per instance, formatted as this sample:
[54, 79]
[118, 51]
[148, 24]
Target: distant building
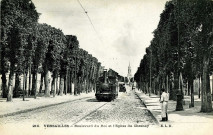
[111, 72]
[129, 75]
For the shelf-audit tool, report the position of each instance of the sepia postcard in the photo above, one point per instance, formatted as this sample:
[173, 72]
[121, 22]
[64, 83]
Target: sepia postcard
[106, 67]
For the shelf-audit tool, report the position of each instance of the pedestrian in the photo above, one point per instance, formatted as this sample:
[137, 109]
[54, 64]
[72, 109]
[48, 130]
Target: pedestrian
[164, 105]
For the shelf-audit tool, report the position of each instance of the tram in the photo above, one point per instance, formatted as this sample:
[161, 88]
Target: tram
[106, 87]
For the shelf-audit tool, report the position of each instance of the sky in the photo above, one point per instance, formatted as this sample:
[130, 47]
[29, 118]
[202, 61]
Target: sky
[122, 28]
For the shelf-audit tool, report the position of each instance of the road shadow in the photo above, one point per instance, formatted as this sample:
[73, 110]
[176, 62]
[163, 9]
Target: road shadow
[152, 102]
[92, 100]
[95, 100]
[192, 111]
[151, 105]
[156, 109]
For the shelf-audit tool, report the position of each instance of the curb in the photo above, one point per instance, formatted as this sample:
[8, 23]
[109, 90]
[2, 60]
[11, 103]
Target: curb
[140, 99]
[154, 118]
[40, 107]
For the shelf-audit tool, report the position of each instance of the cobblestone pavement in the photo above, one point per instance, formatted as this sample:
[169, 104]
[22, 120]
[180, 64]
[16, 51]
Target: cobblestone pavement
[126, 109]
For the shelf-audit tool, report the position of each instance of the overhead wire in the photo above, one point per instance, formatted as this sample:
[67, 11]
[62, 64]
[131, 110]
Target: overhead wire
[90, 21]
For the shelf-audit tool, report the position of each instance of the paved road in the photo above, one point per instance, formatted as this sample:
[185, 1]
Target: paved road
[126, 109]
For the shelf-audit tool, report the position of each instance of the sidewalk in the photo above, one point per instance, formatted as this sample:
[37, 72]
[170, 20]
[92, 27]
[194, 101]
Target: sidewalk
[190, 117]
[19, 106]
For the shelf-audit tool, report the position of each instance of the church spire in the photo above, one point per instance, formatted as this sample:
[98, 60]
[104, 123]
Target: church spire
[129, 75]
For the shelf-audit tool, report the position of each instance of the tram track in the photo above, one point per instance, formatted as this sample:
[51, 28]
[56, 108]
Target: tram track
[41, 107]
[127, 108]
[70, 113]
[85, 116]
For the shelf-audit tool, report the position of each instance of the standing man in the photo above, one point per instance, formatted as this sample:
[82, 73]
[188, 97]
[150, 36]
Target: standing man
[164, 105]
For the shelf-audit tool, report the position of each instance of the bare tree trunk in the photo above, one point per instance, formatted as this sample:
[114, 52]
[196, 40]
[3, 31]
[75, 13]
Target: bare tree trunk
[23, 90]
[26, 91]
[157, 85]
[29, 90]
[75, 78]
[4, 84]
[53, 84]
[143, 87]
[199, 88]
[87, 80]
[147, 87]
[79, 87]
[41, 82]
[10, 84]
[181, 85]
[47, 81]
[191, 85]
[16, 91]
[34, 85]
[164, 83]
[91, 87]
[189, 89]
[65, 84]
[212, 87]
[95, 87]
[61, 86]
[36, 77]
[3, 72]
[57, 84]
[176, 87]
[75, 86]
[153, 86]
[68, 80]
[170, 88]
[71, 80]
[206, 101]
[167, 83]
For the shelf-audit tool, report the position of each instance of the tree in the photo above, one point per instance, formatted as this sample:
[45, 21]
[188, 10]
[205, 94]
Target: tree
[182, 43]
[56, 46]
[42, 36]
[205, 17]
[198, 21]
[17, 19]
